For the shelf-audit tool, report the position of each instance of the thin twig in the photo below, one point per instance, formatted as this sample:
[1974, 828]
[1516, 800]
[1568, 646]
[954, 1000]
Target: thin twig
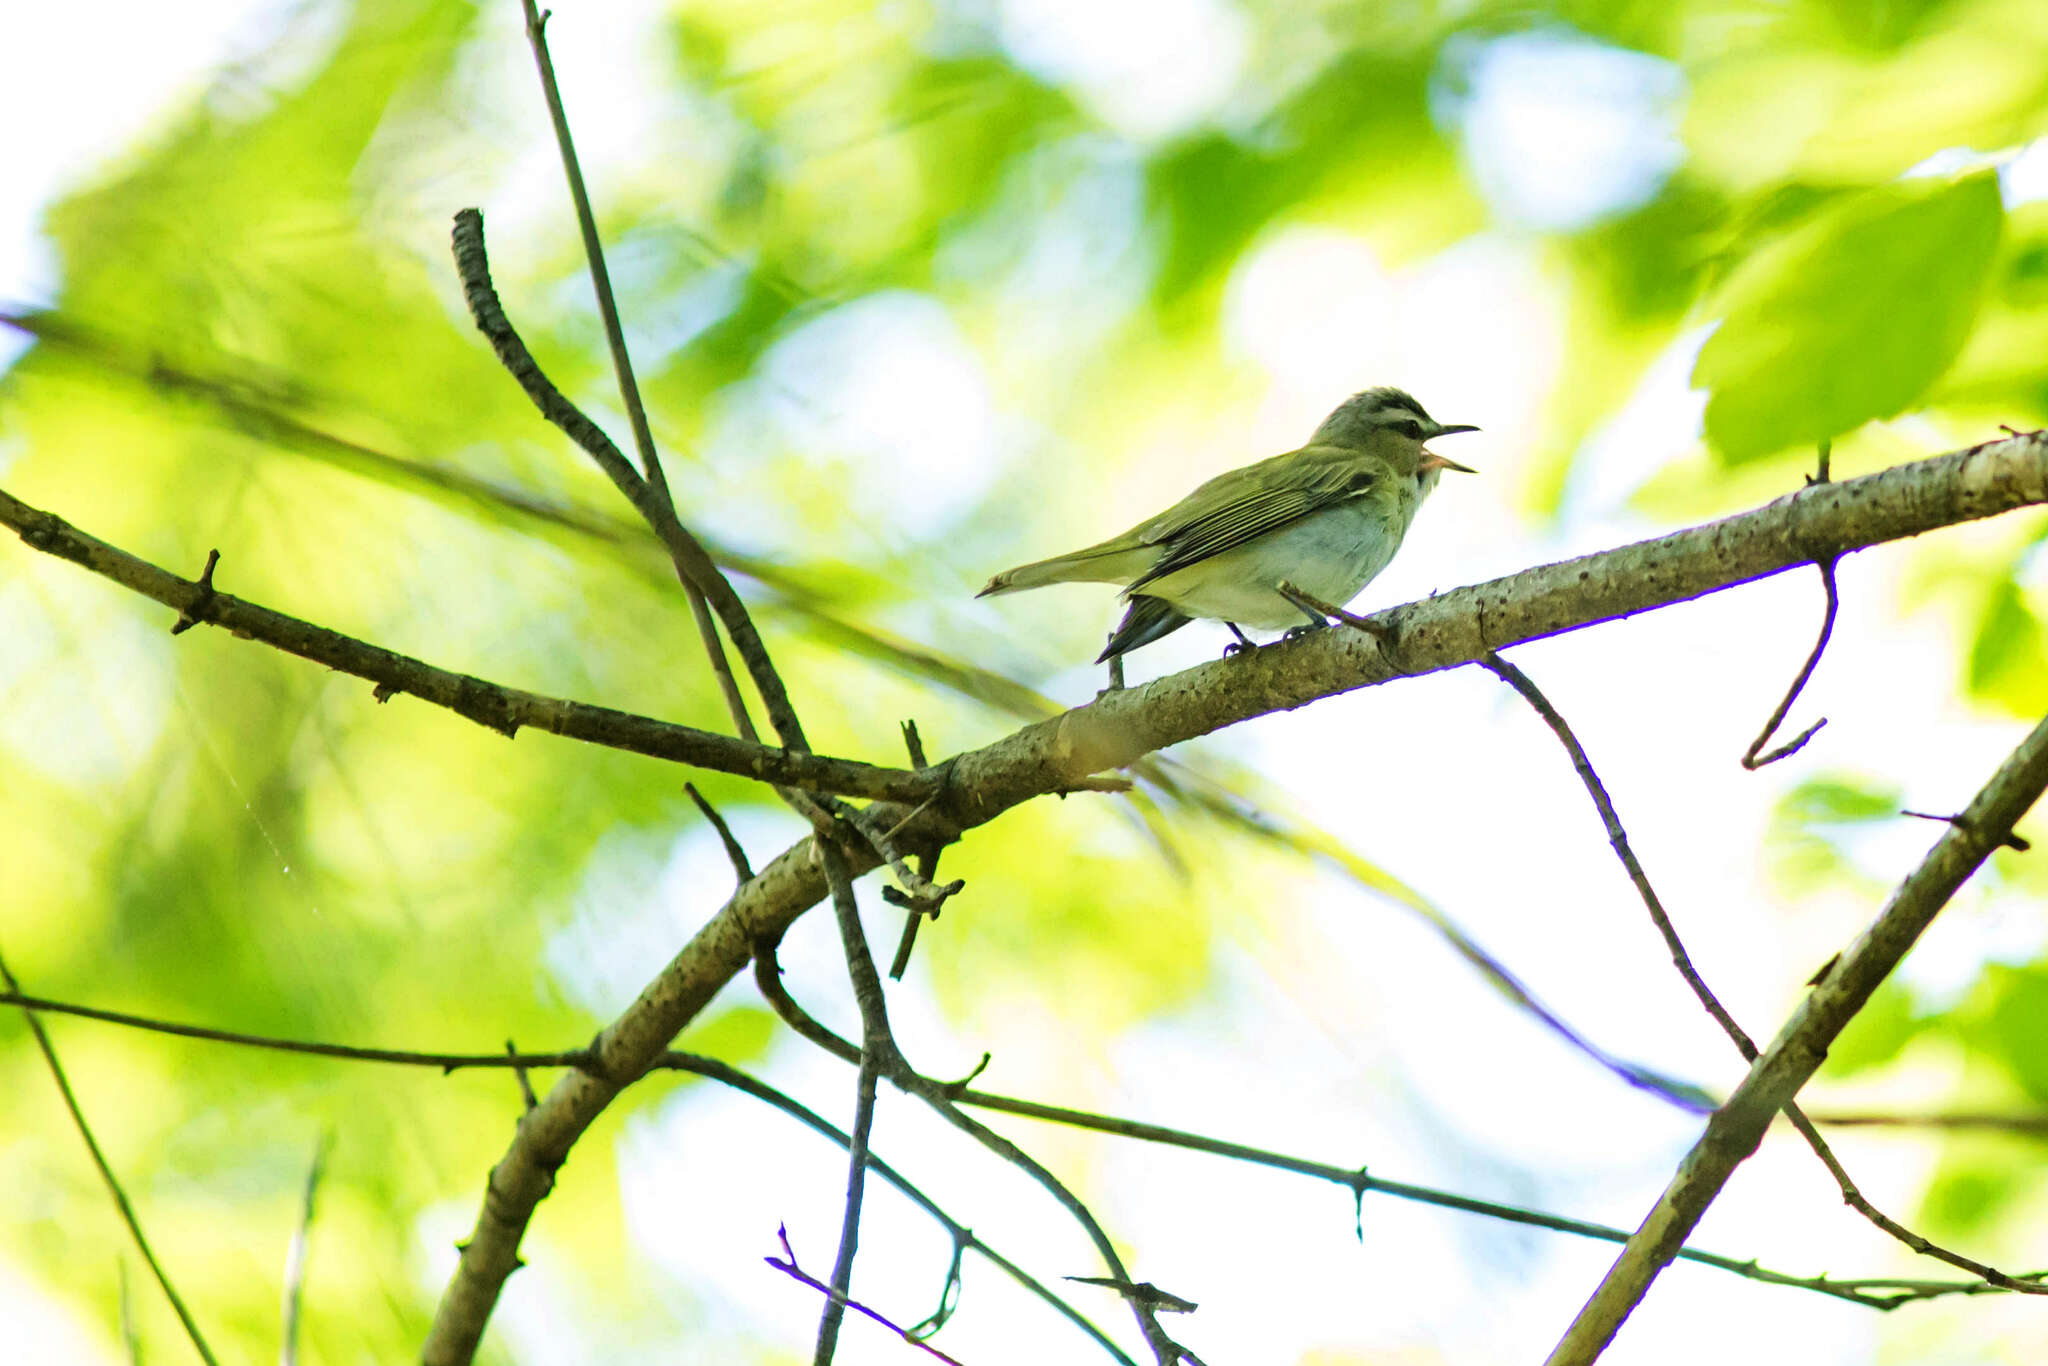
[1618, 838]
[112, 1182]
[1351, 1178]
[786, 1264]
[1753, 758]
[2029, 1126]
[742, 870]
[295, 1257]
[877, 1053]
[927, 868]
[2011, 841]
[500, 708]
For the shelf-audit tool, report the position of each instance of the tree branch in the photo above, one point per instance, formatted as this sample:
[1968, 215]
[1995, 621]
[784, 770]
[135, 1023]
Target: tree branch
[1734, 1131]
[494, 705]
[1441, 632]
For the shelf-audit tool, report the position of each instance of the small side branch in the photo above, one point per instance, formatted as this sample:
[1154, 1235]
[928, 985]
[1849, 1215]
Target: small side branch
[1754, 758]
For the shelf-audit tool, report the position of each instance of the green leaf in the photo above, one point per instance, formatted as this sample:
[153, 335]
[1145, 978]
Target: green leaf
[2008, 659]
[1884, 1026]
[1850, 318]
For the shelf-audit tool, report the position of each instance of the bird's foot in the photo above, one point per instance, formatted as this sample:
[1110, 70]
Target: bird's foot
[1241, 644]
[1297, 632]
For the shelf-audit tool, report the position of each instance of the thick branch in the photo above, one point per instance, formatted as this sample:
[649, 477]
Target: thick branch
[1437, 633]
[489, 704]
[1738, 1126]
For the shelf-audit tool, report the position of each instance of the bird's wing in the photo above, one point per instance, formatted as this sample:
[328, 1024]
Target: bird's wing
[1238, 507]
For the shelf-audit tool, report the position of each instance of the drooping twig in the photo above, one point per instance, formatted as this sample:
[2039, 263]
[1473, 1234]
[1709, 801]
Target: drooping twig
[1753, 758]
[1735, 1129]
[494, 705]
[742, 870]
[1618, 838]
[106, 1171]
[295, 1257]
[787, 1265]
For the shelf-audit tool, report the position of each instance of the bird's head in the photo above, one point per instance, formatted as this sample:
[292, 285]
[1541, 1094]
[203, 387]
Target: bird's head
[1387, 422]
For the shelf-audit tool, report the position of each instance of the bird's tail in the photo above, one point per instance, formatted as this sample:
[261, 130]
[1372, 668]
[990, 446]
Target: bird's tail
[1148, 619]
[1109, 562]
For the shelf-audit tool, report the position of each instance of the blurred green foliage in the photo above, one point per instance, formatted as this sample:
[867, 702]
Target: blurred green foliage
[258, 346]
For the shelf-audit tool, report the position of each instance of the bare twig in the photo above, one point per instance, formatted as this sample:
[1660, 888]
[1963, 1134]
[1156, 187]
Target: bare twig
[1351, 1178]
[1618, 838]
[877, 1053]
[500, 708]
[1753, 758]
[2028, 1126]
[2011, 841]
[1735, 1129]
[106, 1171]
[519, 1072]
[742, 870]
[787, 1265]
[295, 1257]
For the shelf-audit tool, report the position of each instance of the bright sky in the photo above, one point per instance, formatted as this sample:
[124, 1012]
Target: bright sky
[1418, 1070]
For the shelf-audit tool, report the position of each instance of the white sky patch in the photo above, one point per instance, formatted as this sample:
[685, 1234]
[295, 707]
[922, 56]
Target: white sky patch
[888, 390]
[1560, 131]
[1150, 68]
[1314, 307]
[1660, 423]
[2024, 179]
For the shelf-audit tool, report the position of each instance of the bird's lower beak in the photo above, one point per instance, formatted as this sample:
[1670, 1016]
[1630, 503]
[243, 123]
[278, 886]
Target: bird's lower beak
[1432, 461]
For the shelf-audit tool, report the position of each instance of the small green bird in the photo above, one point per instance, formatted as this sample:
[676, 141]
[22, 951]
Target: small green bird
[1325, 518]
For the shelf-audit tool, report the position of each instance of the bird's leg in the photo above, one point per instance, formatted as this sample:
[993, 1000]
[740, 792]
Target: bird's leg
[1241, 644]
[1116, 674]
[1316, 622]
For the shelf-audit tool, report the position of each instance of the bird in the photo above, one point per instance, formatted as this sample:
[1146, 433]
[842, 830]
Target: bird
[1325, 519]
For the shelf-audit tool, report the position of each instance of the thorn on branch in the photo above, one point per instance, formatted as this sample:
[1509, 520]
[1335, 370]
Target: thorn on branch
[1142, 1293]
[2008, 840]
[384, 692]
[202, 600]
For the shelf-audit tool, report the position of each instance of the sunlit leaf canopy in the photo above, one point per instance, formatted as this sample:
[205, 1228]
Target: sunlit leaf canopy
[915, 292]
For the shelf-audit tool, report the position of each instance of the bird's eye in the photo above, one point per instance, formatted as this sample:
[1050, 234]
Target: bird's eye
[1409, 428]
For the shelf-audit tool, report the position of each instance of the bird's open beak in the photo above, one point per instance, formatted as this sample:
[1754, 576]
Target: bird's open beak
[1432, 461]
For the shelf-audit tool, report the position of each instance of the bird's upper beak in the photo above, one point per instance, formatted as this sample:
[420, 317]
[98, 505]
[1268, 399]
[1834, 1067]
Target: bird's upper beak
[1432, 461]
